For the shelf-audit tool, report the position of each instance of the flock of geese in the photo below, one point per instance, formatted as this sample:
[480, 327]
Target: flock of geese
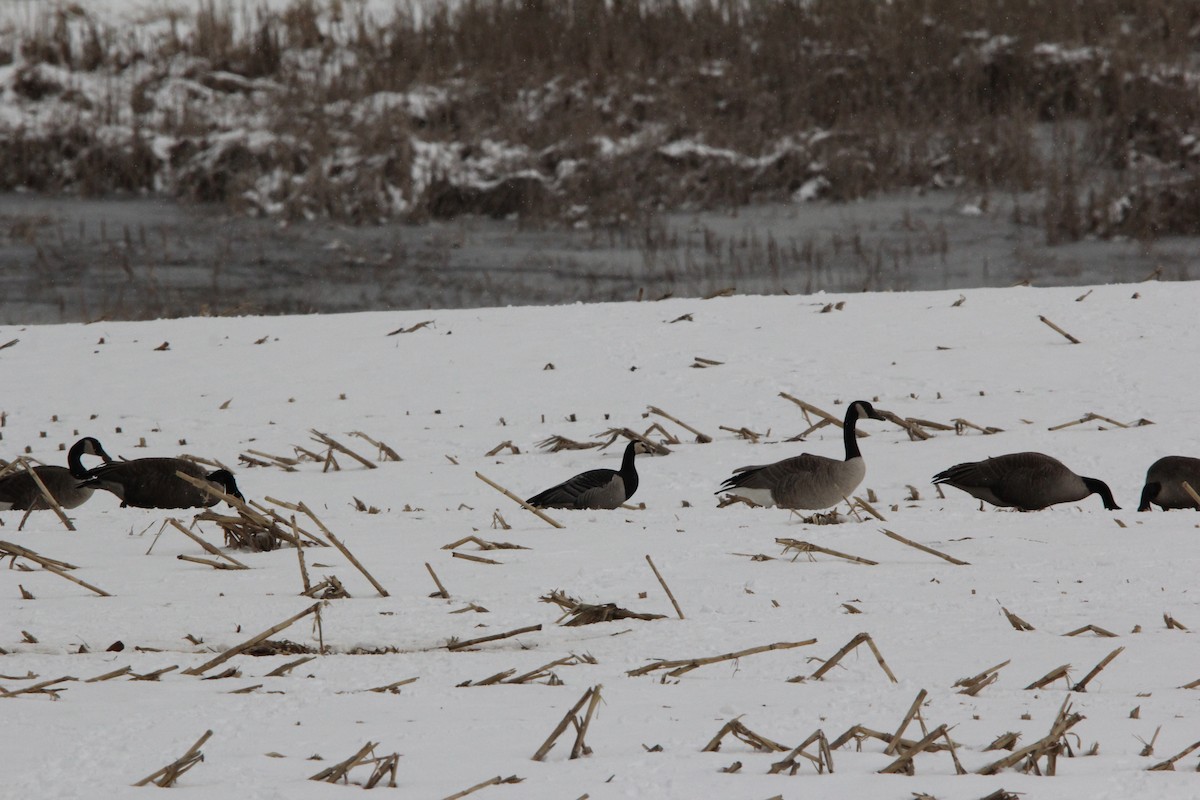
[1024, 481]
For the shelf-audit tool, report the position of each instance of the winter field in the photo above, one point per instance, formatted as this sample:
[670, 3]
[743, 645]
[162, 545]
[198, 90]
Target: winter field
[445, 394]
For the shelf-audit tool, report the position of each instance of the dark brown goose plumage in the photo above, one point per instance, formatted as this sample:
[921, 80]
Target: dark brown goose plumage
[1164, 483]
[596, 488]
[19, 492]
[807, 480]
[1025, 481]
[152, 483]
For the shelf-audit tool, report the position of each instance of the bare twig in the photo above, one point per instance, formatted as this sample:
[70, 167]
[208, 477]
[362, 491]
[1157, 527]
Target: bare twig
[666, 588]
[246, 645]
[685, 665]
[923, 548]
[535, 511]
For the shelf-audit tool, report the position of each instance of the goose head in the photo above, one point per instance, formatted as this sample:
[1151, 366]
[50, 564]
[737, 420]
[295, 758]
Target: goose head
[224, 479]
[87, 446]
[861, 408]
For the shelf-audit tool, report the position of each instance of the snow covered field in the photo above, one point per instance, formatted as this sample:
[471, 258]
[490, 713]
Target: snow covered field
[447, 393]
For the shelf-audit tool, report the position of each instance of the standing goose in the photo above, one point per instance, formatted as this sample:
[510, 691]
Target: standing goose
[1164, 483]
[596, 488]
[19, 492]
[806, 481]
[152, 483]
[1025, 481]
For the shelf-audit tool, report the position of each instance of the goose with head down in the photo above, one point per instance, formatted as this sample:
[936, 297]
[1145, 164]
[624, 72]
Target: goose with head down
[596, 488]
[152, 483]
[1025, 481]
[1164, 483]
[18, 491]
[807, 481]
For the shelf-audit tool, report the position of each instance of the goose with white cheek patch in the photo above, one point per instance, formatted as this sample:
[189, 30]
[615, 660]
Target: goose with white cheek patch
[152, 483]
[19, 492]
[1024, 481]
[1164, 483]
[596, 488]
[806, 481]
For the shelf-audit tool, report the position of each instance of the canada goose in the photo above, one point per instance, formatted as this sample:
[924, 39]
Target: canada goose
[596, 488]
[1164, 483]
[152, 483]
[1026, 481]
[806, 481]
[19, 492]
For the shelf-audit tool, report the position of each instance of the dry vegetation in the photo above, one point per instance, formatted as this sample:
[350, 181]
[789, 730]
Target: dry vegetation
[606, 112]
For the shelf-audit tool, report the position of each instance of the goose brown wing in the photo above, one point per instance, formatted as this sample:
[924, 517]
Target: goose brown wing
[596, 488]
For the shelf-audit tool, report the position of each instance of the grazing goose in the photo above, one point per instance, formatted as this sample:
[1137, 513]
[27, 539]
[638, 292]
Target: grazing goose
[1025, 481]
[19, 492]
[596, 488]
[1164, 483]
[806, 481]
[152, 483]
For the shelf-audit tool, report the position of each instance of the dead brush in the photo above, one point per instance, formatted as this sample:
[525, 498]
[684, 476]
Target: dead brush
[576, 612]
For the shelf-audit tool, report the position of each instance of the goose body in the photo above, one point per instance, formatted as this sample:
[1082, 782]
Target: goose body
[1164, 483]
[152, 483]
[1025, 481]
[806, 481]
[596, 488]
[19, 492]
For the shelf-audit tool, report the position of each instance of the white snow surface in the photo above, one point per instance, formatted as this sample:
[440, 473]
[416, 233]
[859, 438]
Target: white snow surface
[446, 394]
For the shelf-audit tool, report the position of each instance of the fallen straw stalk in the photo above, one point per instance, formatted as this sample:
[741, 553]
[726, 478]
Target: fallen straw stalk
[823, 759]
[167, 776]
[1059, 330]
[904, 762]
[535, 511]
[48, 564]
[1104, 662]
[809, 547]
[858, 639]
[205, 545]
[666, 588]
[923, 548]
[490, 782]
[1187, 487]
[686, 665]
[246, 645]
[908, 717]
[493, 637]
[702, 438]
[809, 408]
[334, 444]
[740, 731]
[441, 592]
[49, 498]
[592, 698]
[346, 552]
[1169, 764]
[1046, 746]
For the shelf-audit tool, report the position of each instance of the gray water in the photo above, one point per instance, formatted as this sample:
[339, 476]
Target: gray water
[67, 259]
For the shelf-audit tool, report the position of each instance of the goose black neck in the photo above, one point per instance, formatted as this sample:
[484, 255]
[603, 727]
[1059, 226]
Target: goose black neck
[1149, 492]
[1101, 488]
[75, 459]
[629, 474]
[848, 433]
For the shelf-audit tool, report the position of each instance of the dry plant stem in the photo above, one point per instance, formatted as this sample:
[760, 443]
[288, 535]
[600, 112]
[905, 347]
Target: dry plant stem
[246, 645]
[912, 712]
[580, 748]
[1169, 764]
[168, 774]
[477, 559]
[702, 438]
[1093, 629]
[535, 511]
[441, 589]
[73, 579]
[825, 415]
[1016, 621]
[1089, 417]
[1054, 327]
[338, 771]
[49, 498]
[904, 762]
[493, 637]
[858, 639]
[688, 664]
[341, 547]
[1050, 677]
[809, 547]
[16, 550]
[303, 570]
[1063, 722]
[824, 760]
[490, 782]
[865, 506]
[1187, 487]
[666, 588]
[284, 669]
[739, 730]
[562, 726]
[116, 673]
[40, 687]
[208, 562]
[207, 547]
[910, 426]
[923, 548]
[1082, 685]
[341, 448]
[391, 454]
